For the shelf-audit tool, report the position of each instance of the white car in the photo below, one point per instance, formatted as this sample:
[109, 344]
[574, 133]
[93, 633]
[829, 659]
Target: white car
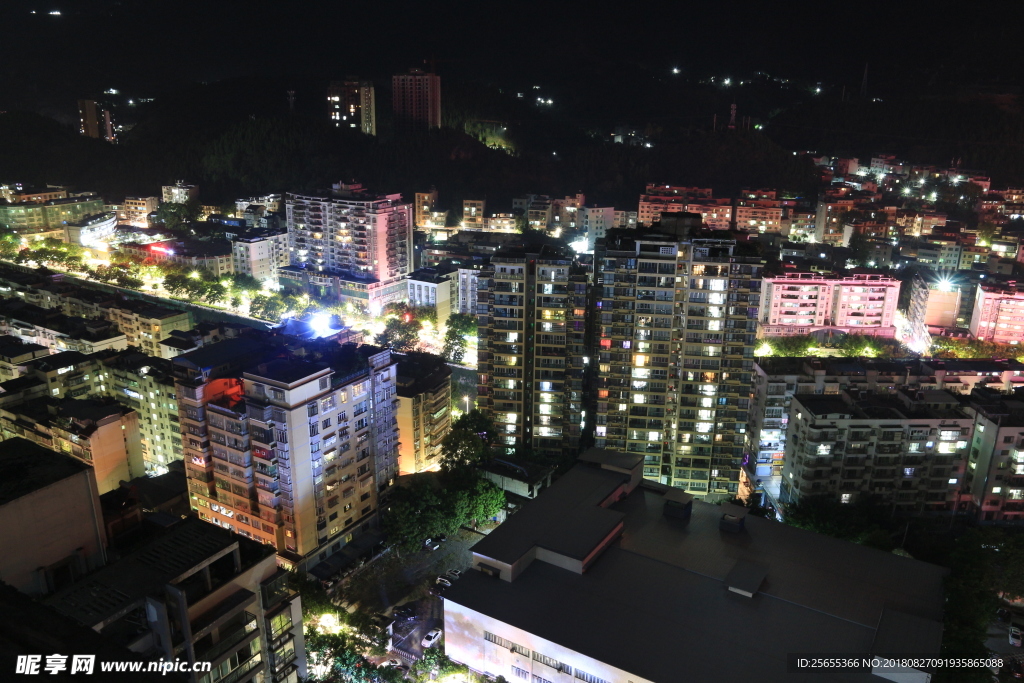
[430, 640]
[1015, 637]
[391, 662]
[442, 581]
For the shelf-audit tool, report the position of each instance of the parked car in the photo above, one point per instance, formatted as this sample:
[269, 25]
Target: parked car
[1015, 637]
[430, 640]
[454, 573]
[442, 581]
[431, 544]
[404, 612]
[391, 662]
[1015, 668]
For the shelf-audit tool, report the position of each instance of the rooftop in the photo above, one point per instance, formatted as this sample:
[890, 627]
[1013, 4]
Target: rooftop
[30, 467]
[286, 371]
[658, 598]
[107, 594]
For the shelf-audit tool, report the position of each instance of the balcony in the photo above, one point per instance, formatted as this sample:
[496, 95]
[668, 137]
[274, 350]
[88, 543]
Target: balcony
[230, 640]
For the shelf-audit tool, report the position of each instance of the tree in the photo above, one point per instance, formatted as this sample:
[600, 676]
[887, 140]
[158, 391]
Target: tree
[796, 346]
[486, 502]
[214, 292]
[463, 324]
[398, 335]
[462, 449]
[267, 307]
[403, 524]
[454, 349]
[243, 282]
[177, 217]
[860, 248]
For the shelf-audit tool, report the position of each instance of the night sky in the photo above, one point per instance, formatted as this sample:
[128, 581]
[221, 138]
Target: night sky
[151, 47]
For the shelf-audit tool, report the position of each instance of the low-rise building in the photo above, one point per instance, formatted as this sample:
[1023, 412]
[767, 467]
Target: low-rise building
[180, 192]
[601, 541]
[522, 479]
[32, 218]
[53, 525]
[214, 256]
[807, 303]
[260, 253]
[137, 209]
[433, 289]
[144, 325]
[56, 331]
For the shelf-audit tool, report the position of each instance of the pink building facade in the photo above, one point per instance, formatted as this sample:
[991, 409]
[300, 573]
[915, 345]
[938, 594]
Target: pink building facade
[999, 313]
[806, 303]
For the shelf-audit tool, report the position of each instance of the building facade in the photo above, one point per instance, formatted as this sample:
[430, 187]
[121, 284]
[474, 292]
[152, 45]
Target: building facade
[807, 303]
[363, 240]
[179, 193]
[675, 331]
[424, 412]
[531, 313]
[352, 104]
[416, 99]
[261, 253]
[998, 314]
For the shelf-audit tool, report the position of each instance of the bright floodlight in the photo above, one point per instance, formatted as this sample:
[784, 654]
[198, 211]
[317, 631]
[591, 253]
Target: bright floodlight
[945, 285]
[764, 349]
[320, 325]
[675, 70]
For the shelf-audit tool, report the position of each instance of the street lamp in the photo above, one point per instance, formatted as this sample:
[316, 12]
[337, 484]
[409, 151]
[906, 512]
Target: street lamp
[466, 399]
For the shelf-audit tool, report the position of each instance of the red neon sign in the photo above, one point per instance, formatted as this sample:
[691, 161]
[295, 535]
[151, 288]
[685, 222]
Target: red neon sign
[161, 249]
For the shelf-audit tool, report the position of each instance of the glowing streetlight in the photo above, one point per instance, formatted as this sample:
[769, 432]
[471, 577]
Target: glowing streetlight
[466, 399]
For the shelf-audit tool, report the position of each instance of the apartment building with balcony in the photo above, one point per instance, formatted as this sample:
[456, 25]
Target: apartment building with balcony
[197, 593]
[433, 288]
[179, 193]
[145, 384]
[100, 433]
[675, 324]
[290, 453]
[145, 325]
[424, 204]
[136, 210]
[424, 411]
[994, 477]
[777, 380]
[261, 253]
[350, 244]
[809, 303]
[532, 314]
[659, 199]
[998, 314]
[907, 450]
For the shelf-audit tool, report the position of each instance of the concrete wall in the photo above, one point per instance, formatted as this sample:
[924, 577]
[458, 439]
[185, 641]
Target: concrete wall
[50, 525]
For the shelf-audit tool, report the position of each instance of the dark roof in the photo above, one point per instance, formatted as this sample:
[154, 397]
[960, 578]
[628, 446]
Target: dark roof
[106, 593]
[59, 360]
[29, 627]
[28, 467]
[819, 405]
[286, 371]
[657, 599]
[227, 352]
[574, 498]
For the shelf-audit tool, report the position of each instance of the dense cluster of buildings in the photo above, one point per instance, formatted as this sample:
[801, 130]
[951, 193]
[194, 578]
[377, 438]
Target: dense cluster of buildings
[646, 333]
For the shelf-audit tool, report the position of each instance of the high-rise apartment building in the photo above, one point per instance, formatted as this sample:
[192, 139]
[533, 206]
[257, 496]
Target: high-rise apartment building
[289, 452]
[675, 331]
[352, 105]
[350, 244]
[423, 208]
[424, 411]
[95, 121]
[416, 99]
[597, 221]
[532, 312]
[803, 303]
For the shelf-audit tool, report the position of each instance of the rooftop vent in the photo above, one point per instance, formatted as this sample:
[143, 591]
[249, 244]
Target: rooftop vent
[732, 523]
[678, 504]
[746, 577]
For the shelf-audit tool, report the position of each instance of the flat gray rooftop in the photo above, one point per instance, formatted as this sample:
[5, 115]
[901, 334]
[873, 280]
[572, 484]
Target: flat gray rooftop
[657, 602]
[28, 467]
